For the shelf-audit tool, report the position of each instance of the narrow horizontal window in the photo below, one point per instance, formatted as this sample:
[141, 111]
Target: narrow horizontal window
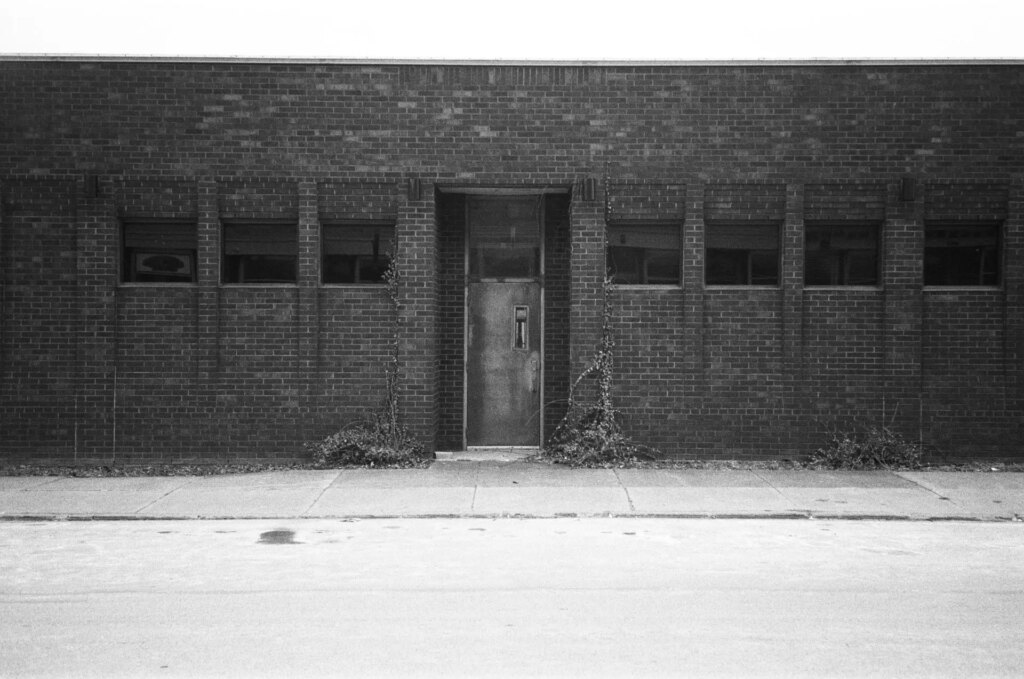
[741, 254]
[356, 253]
[260, 253]
[159, 252]
[961, 254]
[644, 254]
[841, 254]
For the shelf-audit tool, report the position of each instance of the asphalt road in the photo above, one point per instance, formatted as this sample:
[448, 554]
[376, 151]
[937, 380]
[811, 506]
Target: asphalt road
[554, 597]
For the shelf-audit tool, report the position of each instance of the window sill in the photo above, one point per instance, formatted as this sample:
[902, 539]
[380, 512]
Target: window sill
[720, 286]
[509, 279]
[963, 288]
[259, 285]
[155, 284]
[348, 286]
[858, 288]
[647, 286]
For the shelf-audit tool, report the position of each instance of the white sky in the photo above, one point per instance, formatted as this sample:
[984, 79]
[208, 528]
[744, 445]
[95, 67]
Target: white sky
[518, 29]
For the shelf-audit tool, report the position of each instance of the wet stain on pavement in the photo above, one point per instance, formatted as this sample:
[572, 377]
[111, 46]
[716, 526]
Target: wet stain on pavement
[278, 537]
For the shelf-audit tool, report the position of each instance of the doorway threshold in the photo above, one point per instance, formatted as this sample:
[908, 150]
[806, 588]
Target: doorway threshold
[488, 454]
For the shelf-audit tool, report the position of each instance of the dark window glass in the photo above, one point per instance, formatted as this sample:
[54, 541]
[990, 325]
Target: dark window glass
[742, 254]
[961, 254]
[504, 236]
[503, 261]
[841, 254]
[159, 253]
[260, 253]
[644, 253]
[356, 253]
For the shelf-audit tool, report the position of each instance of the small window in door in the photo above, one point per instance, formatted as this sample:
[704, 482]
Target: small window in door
[520, 327]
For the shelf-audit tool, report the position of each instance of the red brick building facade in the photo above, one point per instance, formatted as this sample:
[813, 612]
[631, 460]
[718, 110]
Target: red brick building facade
[191, 250]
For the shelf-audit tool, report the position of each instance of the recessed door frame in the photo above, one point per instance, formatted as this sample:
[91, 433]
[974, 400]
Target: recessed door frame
[497, 192]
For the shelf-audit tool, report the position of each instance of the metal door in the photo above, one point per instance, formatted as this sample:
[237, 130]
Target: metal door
[504, 315]
[503, 364]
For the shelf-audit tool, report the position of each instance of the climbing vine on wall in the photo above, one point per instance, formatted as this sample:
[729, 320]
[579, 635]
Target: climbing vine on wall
[590, 433]
[380, 439]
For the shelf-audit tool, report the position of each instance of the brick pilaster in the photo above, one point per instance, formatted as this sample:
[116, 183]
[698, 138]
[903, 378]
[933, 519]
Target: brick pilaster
[586, 279]
[693, 294]
[902, 276]
[308, 313]
[416, 236]
[1013, 283]
[208, 249]
[97, 250]
[791, 282]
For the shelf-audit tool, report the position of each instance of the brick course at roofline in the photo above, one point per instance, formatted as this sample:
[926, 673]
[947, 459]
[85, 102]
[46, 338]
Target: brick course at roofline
[91, 368]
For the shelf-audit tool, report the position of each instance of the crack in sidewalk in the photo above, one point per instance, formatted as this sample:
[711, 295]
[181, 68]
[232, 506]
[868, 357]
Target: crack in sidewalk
[772, 486]
[934, 492]
[629, 500]
[172, 490]
[321, 494]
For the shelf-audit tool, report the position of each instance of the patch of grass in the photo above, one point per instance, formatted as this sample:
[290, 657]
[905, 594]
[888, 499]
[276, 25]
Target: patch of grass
[722, 465]
[872, 448]
[591, 438]
[128, 470]
[374, 443]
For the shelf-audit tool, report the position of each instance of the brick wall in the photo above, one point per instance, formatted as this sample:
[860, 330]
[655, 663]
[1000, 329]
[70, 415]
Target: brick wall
[93, 368]
[98, 370]
[40, 341]
[161, 406]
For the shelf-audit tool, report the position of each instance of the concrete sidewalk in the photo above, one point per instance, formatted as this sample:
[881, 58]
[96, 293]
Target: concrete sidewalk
[489, 489]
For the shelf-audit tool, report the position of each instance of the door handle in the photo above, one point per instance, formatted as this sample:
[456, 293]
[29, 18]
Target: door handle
[534, 373]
